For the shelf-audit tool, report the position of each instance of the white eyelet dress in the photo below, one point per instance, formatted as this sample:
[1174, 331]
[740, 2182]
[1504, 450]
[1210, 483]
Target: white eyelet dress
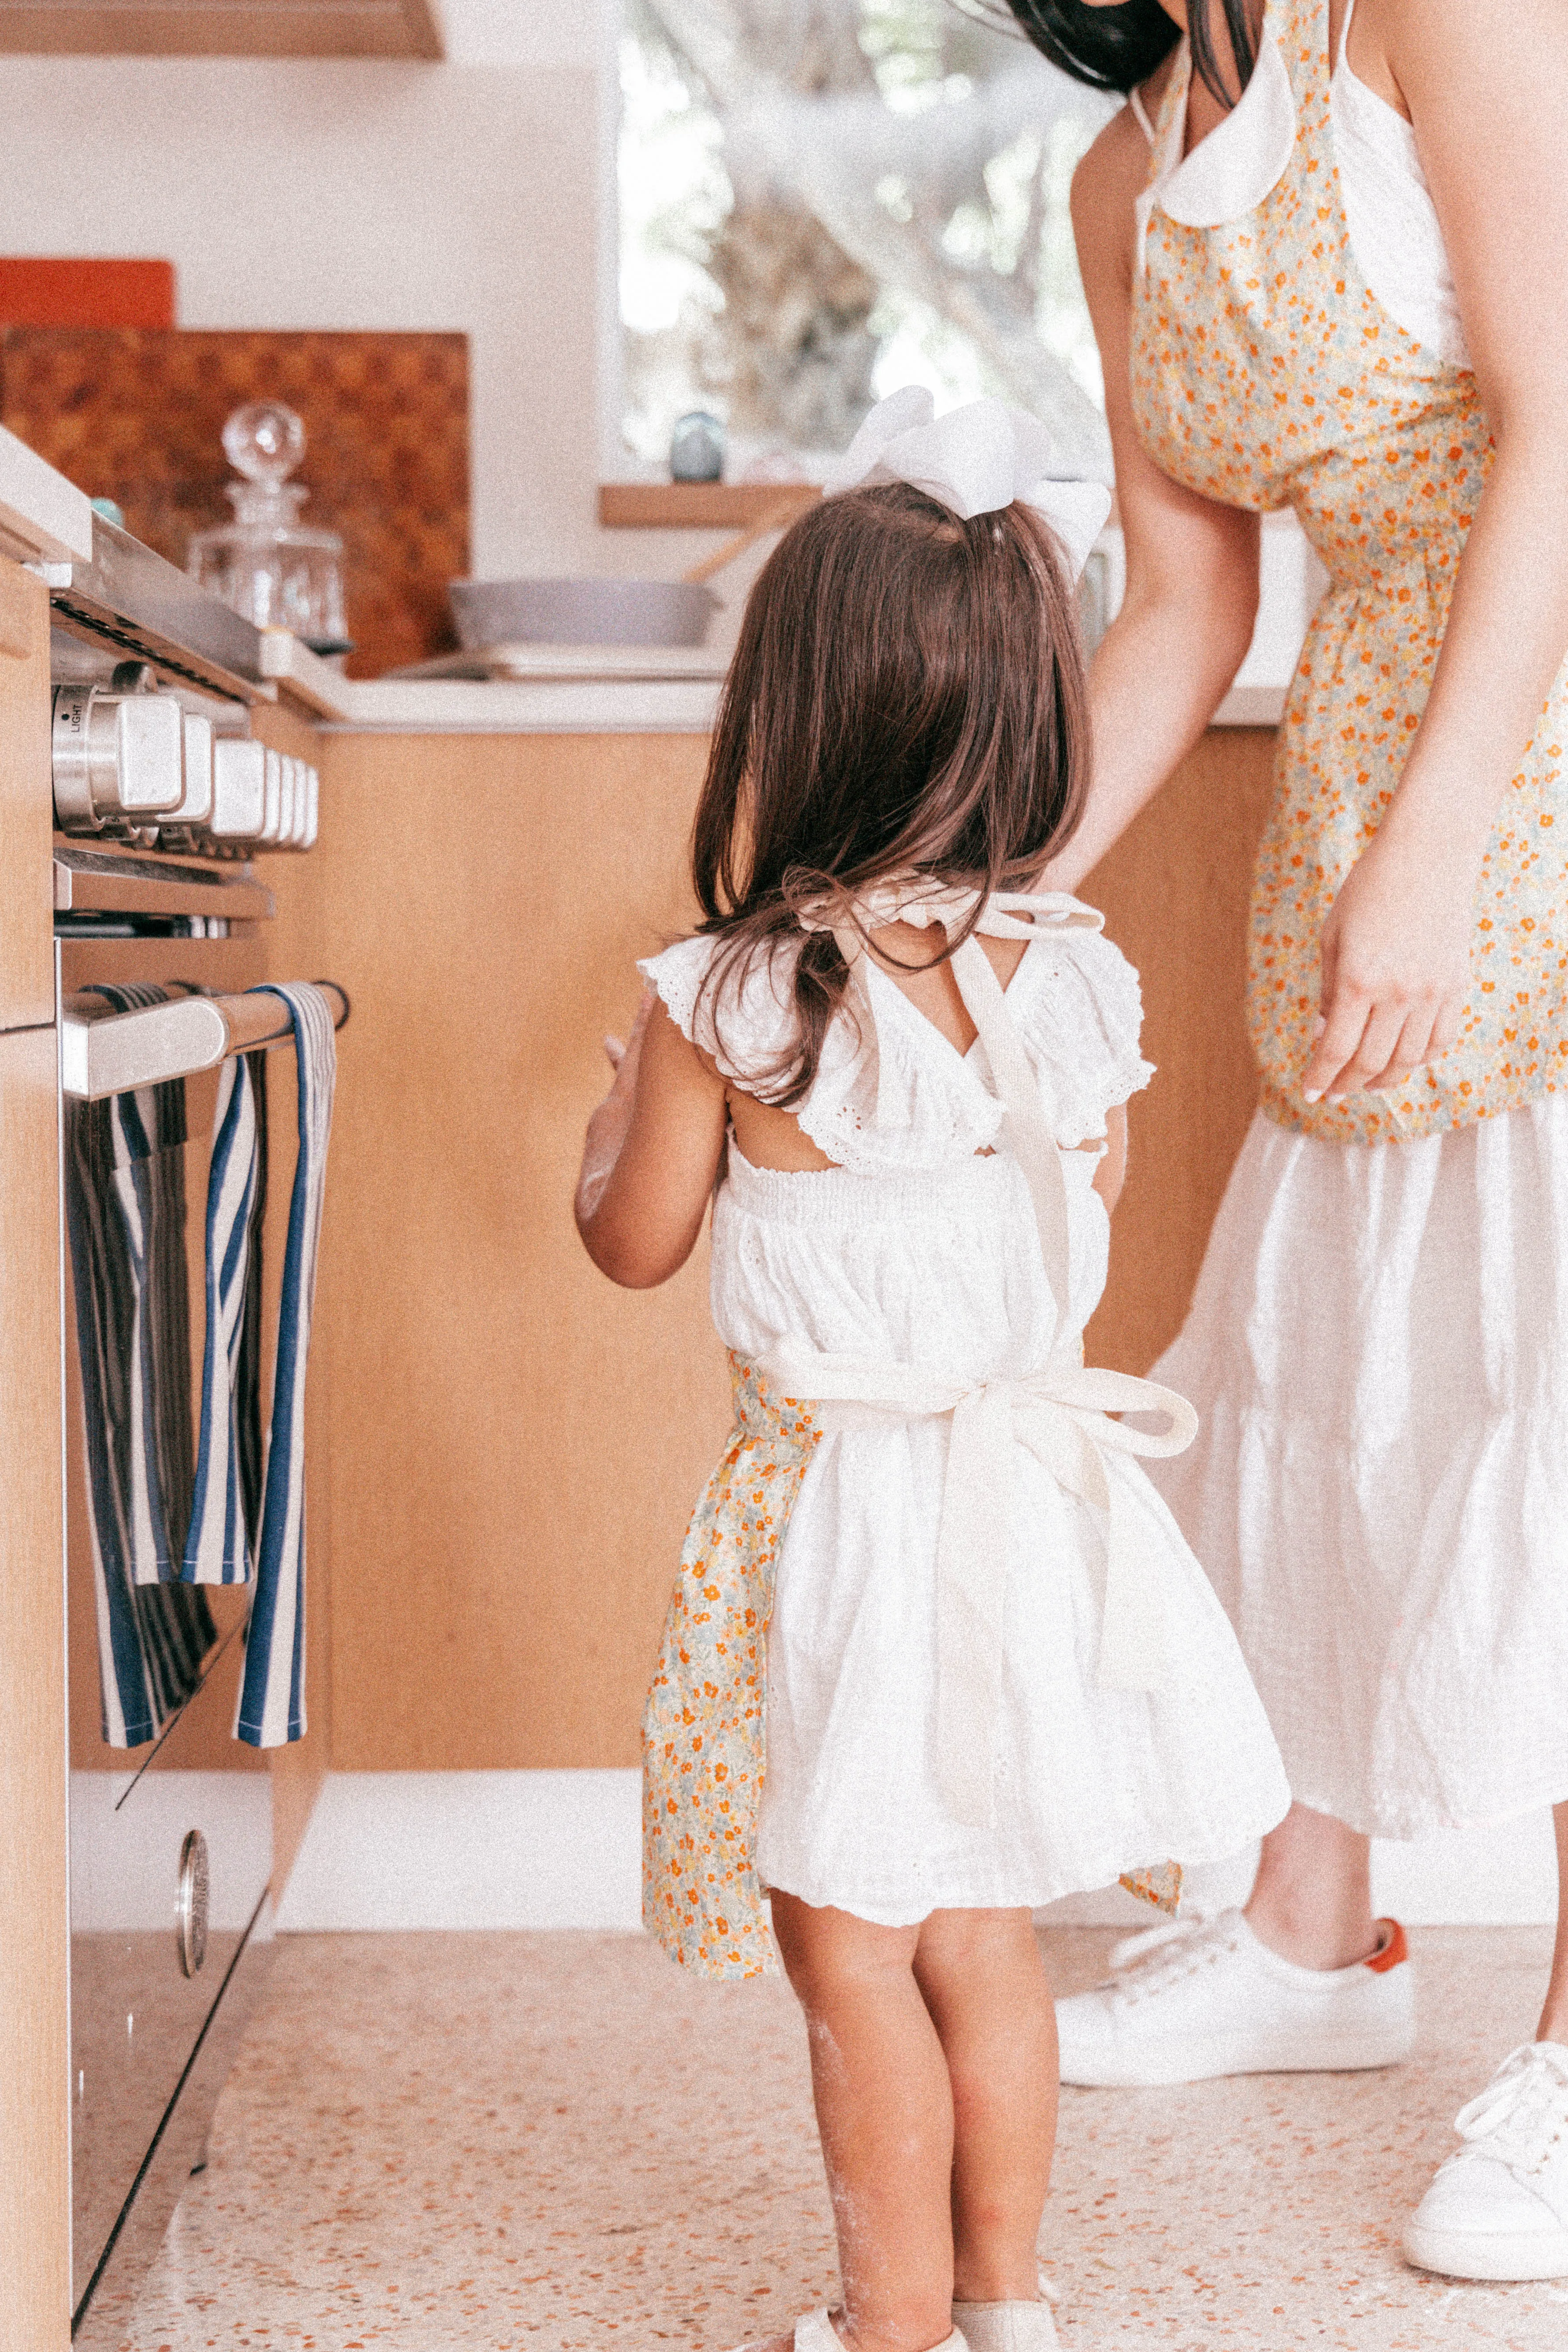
[917, 1263]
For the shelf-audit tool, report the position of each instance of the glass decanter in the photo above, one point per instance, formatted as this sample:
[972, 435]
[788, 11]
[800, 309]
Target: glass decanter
[266, 565]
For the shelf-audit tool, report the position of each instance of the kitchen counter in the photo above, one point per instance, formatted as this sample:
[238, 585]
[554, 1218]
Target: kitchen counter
[591, 690]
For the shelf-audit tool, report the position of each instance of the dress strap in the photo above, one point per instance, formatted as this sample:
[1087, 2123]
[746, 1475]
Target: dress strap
[1141, 114]
[1006, 914]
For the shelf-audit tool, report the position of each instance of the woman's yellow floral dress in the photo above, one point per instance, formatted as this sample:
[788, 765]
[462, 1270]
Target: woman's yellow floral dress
[1266, 373]
[1378, 1344]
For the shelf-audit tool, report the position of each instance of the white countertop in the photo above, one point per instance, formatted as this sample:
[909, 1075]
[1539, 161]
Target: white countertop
[605, 690]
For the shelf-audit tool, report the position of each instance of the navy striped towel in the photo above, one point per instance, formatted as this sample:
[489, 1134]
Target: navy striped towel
[125, 1207]
[271, 1709]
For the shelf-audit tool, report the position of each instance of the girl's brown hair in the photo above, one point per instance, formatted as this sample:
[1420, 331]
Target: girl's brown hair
[907, 695]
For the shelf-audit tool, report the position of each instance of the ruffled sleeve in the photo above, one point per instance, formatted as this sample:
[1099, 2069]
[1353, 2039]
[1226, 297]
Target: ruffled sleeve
[748, 1026]
[1079, 1008]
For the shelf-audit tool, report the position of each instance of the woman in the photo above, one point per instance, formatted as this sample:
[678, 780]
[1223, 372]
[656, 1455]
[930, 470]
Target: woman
[1326, 255]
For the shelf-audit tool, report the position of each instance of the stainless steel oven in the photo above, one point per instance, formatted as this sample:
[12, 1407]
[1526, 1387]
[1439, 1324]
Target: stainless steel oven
[163, 791]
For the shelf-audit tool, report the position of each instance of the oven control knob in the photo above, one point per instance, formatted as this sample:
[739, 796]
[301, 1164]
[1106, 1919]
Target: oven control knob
[192, 1895]
[196, 800]
[119, 759]
[239, 788]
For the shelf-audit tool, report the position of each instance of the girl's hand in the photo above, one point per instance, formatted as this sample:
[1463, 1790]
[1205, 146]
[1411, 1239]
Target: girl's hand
[608, 1124]
[654, 1148]
[1395, 962]
[622, 1054]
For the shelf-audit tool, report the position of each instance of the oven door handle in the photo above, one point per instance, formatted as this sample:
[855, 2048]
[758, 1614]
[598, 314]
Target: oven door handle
[106, 1053]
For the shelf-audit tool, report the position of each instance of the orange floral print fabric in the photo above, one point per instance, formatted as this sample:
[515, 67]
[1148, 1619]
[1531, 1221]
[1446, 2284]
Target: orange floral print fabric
[704, 1731]
[705, 1726]
[1266, 373]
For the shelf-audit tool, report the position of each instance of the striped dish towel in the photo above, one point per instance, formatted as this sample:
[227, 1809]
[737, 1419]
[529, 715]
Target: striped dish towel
[271, 1708]
[226, 1509]
[125, 1207]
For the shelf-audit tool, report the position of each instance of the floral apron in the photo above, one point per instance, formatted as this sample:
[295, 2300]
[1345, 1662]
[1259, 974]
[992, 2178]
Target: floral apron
[1266, 373]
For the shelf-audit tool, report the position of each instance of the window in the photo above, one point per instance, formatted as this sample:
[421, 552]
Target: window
[822, 200]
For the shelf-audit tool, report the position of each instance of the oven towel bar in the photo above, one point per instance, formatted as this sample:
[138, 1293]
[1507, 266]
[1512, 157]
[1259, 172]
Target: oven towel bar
[103, 1052]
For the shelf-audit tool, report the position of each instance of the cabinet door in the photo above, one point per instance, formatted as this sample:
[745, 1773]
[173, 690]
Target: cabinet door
[34, 2188]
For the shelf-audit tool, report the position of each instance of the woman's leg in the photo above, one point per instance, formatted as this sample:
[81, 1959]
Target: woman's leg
[1553, 2025]
[1311, 1900]
[884, 2106]
[985, 1986]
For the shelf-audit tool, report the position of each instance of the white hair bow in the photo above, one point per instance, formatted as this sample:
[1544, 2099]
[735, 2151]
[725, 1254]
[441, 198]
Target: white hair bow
[974, 460]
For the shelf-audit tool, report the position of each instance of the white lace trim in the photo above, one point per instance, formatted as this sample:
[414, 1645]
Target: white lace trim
[1075, 998]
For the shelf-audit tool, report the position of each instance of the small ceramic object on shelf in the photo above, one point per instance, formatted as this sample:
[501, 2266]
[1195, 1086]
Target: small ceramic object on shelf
[697, 448]
[268, 565]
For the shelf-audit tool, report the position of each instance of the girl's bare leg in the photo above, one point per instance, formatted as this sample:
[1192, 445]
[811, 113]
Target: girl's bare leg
[884, 2107]
[1311, 1900]
[1553, 2025]
[909, 2029]
[985, 1986]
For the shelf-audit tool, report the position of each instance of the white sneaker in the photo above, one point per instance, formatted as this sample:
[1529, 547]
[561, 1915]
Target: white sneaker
[1205, 1998]
[1498, 2209]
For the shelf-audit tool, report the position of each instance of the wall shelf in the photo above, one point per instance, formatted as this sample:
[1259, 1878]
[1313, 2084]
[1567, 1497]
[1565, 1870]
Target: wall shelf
[245, 28]
[699, 506]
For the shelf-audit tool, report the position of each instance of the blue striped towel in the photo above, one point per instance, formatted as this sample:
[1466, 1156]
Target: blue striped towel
[125, 1206]
[271, 1709]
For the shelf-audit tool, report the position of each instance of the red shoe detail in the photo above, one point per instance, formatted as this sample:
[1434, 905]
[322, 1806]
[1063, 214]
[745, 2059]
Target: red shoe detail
[1390, 1951]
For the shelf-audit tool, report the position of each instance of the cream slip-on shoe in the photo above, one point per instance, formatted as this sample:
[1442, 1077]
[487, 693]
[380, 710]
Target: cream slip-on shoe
[1007, 2326]
[816, 2333]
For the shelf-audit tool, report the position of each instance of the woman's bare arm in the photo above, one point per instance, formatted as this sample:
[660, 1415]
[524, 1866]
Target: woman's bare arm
[1185, 622]
[1485, 82]
[651, 1155]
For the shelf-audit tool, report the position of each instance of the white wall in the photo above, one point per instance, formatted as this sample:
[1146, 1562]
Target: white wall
[291, 194]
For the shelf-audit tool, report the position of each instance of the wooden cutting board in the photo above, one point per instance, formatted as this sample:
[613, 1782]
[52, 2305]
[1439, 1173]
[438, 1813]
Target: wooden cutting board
[135, 414]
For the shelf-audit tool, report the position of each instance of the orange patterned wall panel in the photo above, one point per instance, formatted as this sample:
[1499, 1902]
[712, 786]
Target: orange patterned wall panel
[136, 416]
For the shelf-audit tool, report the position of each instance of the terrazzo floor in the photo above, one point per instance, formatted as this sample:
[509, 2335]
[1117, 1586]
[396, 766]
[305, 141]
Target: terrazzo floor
[436, 2142]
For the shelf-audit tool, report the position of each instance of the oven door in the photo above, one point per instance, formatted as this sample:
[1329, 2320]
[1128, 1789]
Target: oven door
[152, 1946]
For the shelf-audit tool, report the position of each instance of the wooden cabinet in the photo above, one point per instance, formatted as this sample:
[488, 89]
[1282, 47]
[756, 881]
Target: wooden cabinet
[35, 2145]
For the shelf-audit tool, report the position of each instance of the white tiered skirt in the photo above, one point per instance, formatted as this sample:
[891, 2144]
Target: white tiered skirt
[1378, 1349]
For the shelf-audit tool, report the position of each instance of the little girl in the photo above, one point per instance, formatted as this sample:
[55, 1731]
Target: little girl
[937, 1654]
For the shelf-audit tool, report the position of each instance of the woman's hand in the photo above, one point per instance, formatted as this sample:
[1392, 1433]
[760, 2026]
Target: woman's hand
[608, 1123]
[1395, 962]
